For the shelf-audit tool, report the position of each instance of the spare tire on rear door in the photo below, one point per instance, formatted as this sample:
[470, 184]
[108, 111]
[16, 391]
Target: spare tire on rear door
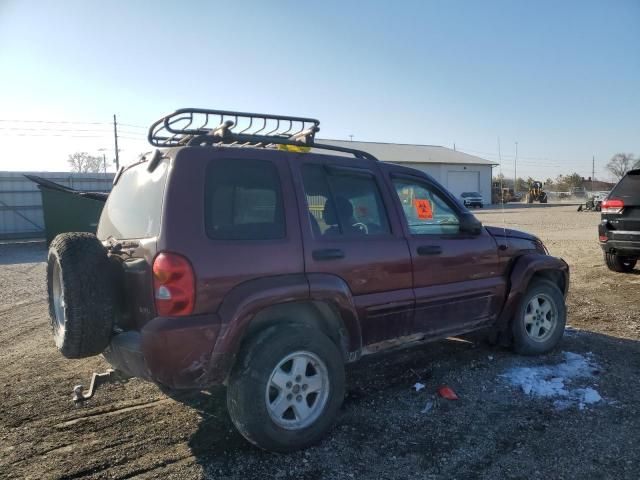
[81, 294]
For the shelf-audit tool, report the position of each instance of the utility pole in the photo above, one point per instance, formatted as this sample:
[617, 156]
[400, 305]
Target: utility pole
[351, 138]
[115, 138]
[593, 171]
[515, 171]
[104, 159]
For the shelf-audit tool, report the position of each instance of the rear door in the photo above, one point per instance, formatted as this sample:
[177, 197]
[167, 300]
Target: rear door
[131, 219]
[457, 278]
[349, 233]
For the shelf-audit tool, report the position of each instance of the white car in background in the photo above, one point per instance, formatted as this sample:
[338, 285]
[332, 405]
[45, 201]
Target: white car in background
[471, 199]
[598, 197]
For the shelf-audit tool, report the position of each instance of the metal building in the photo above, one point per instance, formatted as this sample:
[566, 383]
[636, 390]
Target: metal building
[457, 171]
[21, 201]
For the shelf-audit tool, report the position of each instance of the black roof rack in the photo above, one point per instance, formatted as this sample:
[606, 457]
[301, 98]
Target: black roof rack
[201, 126]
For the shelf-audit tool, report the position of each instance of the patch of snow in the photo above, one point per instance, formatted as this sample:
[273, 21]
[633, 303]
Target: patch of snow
[551, 381]
[588, 396]
[418, 386]
[428, 407]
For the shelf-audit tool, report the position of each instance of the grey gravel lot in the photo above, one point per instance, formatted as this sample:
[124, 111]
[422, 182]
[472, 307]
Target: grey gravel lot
[494, 430]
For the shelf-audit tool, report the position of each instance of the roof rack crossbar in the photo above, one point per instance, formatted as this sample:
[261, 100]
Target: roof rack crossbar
[171, 129]
[200, 126]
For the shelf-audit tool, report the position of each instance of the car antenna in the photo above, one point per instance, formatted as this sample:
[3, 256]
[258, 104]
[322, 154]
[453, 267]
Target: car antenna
[504, 220]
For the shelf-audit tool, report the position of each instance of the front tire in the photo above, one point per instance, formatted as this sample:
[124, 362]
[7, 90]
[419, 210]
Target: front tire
[619, 263]
[539, 322]
[286, 388]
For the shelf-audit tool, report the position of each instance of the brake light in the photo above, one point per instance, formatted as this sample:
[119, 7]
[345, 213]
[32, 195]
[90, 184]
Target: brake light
[173, 285]
[612, 206]
[603, 238]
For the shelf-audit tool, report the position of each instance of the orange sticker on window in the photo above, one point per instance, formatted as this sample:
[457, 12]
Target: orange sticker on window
[423, 208]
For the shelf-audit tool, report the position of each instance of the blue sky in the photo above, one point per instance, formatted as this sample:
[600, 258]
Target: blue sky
[560, 78]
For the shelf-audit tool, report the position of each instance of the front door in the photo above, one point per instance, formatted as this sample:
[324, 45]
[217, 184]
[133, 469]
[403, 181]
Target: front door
[456, 275]
[349, 234]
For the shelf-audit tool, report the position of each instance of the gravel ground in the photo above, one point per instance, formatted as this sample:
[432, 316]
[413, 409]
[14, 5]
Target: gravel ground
[494, 430]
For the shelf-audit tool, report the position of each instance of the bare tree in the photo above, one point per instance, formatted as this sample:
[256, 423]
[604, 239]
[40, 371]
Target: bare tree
[83, 162]
[573, 180]
[620, 164]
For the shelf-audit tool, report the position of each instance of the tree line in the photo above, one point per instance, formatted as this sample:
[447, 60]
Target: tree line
[619, 164]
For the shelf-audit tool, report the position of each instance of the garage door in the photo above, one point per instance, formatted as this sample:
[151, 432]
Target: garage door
[458, 182]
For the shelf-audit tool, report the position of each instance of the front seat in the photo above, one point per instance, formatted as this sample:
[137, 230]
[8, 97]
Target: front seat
[333, 215]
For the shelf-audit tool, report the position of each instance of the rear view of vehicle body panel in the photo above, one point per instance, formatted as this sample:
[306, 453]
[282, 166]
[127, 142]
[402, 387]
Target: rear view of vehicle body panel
[619, 230]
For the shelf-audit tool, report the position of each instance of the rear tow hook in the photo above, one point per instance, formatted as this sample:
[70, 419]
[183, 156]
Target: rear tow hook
[97, 379]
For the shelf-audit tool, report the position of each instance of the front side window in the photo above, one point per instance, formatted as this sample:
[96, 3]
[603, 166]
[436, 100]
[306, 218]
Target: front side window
[343, 204]
[243, 200]
[425, 210]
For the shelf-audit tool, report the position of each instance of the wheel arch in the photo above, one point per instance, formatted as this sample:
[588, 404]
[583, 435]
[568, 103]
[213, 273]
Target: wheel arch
[254, 306]
[526, 269]
[312, 313]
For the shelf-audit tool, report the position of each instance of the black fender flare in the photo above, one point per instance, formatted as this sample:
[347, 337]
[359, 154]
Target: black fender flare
[523, 270]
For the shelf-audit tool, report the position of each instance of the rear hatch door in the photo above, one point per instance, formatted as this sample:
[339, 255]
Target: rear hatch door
[627, 190]
[129, 226]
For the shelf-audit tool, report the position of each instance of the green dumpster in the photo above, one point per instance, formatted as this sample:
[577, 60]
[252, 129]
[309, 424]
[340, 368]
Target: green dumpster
[68, 210]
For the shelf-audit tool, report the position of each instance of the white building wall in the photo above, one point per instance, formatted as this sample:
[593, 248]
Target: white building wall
[440, 171]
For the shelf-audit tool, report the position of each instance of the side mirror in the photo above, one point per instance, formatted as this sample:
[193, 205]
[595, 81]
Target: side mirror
[470, 224]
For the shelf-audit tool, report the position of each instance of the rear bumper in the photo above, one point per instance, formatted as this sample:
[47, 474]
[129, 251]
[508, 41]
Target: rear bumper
[175, 352]
[619, 242]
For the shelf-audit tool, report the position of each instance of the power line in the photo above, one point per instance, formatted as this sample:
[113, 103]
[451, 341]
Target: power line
[66, 135]
[54, 121]
[25, 129]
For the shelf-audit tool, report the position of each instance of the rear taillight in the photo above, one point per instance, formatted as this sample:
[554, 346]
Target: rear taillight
[612, 206]
[173, 285]
[603, 238]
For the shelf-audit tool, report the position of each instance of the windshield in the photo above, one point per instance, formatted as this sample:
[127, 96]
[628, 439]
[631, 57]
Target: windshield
[470, 194]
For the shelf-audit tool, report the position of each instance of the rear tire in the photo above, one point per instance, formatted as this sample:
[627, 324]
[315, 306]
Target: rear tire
[81, 295]
[540, 319]
[619, 263]
[267, 398]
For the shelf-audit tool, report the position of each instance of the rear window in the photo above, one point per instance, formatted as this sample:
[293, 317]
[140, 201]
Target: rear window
[243, 200]
[628, 188]
[134, 206]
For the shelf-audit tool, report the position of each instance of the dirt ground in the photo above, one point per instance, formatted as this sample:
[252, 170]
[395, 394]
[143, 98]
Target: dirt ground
[495, 430]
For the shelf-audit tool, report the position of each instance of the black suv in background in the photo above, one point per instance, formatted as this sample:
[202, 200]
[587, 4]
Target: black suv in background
[619, 230]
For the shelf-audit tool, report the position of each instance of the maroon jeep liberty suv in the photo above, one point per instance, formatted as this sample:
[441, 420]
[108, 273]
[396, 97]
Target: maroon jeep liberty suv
[243, 252]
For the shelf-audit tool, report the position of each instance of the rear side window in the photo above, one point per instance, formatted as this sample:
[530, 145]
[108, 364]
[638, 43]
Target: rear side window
[134, 207]
[628, 189]
[243, 200]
